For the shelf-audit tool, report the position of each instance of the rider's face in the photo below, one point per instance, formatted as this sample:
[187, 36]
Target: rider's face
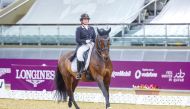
[85, 21]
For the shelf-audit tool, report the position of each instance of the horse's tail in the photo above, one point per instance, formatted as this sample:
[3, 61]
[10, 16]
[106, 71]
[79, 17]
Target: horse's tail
[61, 94]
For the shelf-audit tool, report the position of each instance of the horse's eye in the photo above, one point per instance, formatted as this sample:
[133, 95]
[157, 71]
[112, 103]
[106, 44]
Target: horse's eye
[102, 44]
[109, 42]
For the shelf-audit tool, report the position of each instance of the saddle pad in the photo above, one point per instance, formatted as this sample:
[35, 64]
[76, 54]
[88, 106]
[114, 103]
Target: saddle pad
[74, 65]
[74, 62]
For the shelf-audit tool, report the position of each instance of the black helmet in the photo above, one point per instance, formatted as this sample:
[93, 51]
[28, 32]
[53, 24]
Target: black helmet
[84, 16]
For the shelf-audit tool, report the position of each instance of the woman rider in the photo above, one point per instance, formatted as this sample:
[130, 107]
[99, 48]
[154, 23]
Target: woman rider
[85, 38]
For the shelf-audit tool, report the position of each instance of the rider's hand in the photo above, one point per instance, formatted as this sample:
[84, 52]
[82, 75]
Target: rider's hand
[87, 41]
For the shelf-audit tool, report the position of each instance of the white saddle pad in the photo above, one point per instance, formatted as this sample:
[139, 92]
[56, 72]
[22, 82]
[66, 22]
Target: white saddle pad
[74, 62]
[74, 65]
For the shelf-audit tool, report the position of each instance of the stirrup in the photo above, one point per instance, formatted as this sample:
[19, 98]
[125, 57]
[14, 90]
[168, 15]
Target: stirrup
[78, 76]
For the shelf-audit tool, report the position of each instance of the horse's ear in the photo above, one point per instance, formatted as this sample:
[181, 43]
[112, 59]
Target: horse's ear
[109, 30]
[98, 30]
[103, 32]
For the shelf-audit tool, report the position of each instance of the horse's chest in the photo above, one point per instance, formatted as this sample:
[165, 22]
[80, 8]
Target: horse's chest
[102, 68]
[107, 69]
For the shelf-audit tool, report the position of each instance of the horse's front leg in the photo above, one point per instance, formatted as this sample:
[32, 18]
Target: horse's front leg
[107, 84]
[104, 91]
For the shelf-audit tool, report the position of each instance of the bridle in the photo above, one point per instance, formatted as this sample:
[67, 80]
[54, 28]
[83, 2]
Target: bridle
[99, 49]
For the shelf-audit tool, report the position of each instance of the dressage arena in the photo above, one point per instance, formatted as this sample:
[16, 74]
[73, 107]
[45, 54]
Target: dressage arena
[142, 46]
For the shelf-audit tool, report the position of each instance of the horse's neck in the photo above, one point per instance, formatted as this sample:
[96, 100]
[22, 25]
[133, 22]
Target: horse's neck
[93, 52]
[96, 55]
[98, 59]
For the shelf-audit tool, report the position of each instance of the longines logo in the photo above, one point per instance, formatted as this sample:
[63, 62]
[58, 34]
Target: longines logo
[35, 77]
[35, 82]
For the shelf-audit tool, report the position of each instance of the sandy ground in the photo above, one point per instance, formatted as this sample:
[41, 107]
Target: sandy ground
[34, 104]
[28, 104]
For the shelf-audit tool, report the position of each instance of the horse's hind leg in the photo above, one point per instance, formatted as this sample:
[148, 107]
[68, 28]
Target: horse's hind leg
[70, 103]
[72, 100]
[74, 85]
[70, 93]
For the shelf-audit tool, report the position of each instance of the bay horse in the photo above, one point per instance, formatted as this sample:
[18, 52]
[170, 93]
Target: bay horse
[100, 69]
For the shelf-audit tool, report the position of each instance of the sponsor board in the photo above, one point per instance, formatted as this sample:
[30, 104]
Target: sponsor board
[33, 77]
[39, 74]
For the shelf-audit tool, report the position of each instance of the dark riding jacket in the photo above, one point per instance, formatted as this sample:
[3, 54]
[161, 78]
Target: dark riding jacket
[83, 34]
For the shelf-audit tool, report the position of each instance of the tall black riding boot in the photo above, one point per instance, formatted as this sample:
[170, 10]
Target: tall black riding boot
[80, 67]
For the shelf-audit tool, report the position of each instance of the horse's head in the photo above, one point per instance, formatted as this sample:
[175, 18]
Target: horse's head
[103, 43]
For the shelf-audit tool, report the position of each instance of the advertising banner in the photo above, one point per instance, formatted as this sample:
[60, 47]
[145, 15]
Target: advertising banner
[39, 75]
[31, 77]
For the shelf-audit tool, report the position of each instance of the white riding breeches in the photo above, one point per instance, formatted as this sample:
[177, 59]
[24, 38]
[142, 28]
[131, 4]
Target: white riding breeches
[83, 49]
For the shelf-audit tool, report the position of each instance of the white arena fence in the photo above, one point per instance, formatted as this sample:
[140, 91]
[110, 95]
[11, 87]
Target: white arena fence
[98, 97]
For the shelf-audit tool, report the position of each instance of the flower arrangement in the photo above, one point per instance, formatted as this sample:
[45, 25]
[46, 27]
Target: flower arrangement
[145, 89]
[145, 86]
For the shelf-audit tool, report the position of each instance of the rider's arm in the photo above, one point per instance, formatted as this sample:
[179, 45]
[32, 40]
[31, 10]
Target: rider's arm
[78, 37]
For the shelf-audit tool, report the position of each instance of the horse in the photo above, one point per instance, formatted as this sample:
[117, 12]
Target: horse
[100, 69]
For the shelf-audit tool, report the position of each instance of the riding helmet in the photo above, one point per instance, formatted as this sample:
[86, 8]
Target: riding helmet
[84, 16]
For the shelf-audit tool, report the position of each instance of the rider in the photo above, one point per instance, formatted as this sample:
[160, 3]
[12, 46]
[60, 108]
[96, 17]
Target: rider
[85, 38]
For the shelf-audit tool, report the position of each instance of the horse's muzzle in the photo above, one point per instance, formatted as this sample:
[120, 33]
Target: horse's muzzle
[106, 58]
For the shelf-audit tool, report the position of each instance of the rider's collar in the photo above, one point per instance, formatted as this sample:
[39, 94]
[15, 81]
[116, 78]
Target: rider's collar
[85, 26]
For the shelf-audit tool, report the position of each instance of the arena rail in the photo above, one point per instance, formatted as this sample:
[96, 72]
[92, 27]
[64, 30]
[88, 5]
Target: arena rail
[138, 34]
[97, 97]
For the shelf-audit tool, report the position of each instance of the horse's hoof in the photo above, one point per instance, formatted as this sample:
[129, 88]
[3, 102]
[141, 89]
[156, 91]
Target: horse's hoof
[108, 107]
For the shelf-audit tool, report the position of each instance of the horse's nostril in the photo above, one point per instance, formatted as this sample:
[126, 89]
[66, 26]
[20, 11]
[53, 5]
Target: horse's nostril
[106, 58]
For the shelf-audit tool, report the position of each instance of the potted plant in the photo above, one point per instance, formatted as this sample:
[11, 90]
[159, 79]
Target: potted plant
[145, 89]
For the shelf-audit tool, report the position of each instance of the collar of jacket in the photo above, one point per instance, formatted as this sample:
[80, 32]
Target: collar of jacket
[83, 26]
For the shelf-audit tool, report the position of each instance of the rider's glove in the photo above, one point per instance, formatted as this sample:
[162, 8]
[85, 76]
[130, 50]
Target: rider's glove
[87, 41]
